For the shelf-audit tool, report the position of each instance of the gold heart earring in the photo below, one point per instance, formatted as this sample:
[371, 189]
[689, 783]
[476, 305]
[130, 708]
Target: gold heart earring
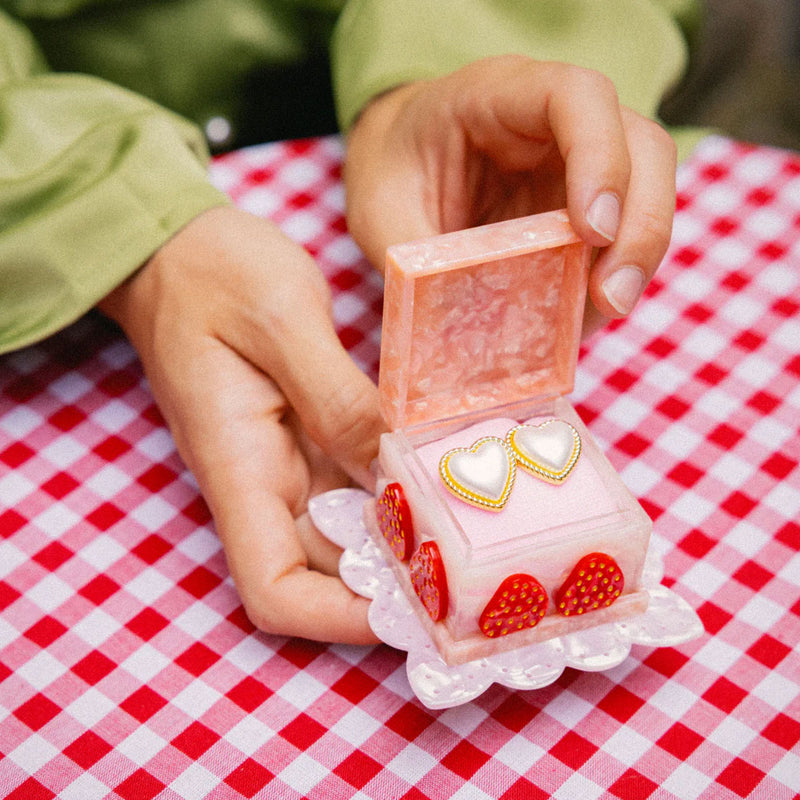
[549, 450]
[482, 474]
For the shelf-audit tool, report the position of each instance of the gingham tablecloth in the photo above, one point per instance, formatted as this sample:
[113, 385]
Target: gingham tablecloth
[128, 669]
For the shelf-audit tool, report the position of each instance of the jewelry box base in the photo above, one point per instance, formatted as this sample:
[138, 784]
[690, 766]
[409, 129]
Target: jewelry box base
[666, 621]
[470, 648]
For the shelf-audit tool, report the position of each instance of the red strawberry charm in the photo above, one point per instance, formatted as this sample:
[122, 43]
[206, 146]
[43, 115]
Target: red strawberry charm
[595, 582]
[429, 580]
[519, 603]
[394, 520]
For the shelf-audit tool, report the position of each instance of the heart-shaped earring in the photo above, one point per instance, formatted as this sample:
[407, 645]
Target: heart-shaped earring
[482, 474]
[549, 451]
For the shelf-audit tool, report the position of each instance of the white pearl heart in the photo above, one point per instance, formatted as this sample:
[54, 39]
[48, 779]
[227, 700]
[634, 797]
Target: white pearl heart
[549, 450]
[482, 474]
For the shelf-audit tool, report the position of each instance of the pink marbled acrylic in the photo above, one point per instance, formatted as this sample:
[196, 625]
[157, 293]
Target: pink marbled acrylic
[481, 332]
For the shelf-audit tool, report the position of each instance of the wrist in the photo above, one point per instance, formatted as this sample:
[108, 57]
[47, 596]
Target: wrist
[129, 304]
[135, 303]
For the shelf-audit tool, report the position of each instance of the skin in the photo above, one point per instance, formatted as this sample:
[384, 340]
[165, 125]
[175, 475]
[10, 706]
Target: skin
[232, 320]
[503, 138]
[232, 323]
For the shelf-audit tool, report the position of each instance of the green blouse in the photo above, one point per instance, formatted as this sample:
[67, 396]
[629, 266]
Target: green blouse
[103, 104]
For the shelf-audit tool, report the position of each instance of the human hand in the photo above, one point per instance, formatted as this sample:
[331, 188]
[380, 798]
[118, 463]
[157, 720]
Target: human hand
[510, 136]
[232, 323]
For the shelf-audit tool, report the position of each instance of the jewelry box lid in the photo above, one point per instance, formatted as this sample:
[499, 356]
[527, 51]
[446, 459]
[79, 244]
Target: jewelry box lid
[481, 319]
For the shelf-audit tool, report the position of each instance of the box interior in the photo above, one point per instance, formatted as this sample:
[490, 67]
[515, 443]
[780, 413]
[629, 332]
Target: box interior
[473, 324]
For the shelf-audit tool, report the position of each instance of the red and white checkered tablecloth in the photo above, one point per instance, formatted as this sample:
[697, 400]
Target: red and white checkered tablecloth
[128, 668]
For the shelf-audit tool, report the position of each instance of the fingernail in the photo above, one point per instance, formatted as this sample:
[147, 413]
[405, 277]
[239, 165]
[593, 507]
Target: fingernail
[603, 215]
[623, 287]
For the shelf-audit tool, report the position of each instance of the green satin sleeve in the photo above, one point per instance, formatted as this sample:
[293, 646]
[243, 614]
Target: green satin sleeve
[93, 179]
[639, 44]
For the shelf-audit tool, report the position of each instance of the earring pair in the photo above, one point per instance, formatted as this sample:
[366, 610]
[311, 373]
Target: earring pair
[484, 473]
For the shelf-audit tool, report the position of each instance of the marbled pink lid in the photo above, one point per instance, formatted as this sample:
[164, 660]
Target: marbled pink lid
[481, 319]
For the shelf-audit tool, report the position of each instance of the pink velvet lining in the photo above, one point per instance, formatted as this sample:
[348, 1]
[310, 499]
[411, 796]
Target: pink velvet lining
[534, 504]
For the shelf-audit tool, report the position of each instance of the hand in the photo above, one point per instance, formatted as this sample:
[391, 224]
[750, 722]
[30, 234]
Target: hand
[232, 323]
[506, 137]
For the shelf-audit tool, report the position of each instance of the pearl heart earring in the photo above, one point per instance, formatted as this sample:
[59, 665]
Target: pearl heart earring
[483, 474]
[549, 450]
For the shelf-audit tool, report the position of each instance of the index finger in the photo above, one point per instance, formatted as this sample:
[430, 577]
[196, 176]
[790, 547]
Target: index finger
[256, 479]
[280, 593]
[521, 107]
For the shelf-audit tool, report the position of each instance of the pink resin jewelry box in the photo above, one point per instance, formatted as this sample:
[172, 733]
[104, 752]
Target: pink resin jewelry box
[501, 536]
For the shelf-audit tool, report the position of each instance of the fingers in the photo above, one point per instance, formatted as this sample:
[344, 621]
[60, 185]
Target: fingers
[335, 401]
[619, 168]
[623, 270]
[280, 592]
[586, 120]
[285, 571]
[256, 480]
[619, 173]
[522, 112]
[272, 306]
[510, 136]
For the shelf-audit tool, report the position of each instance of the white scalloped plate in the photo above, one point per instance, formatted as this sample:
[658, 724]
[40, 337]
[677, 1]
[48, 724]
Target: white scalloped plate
[668, 621]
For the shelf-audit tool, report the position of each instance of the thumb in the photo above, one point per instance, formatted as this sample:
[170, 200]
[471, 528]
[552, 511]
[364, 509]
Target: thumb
[277, 314]
[335, 401]
[337, 405]
[386, 190]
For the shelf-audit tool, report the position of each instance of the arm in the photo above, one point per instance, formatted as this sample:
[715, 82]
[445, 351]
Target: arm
[104, 200]
[92, 180]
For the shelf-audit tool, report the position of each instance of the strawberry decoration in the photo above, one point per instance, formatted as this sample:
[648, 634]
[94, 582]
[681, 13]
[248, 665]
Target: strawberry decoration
[429, 580]
[394, 521]
[519, 603]
[595, 582]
